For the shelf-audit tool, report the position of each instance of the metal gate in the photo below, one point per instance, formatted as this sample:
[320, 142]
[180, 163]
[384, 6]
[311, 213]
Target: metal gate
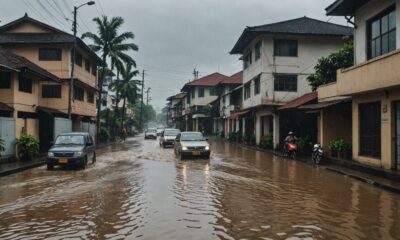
[89, 128]
[62, 125]
[7, 133]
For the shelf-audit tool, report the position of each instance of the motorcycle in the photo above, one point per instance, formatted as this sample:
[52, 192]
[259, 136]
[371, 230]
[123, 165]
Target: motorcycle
[291, 150]
[317, 154]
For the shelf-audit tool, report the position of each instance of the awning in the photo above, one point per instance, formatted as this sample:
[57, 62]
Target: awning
[198, 115]
[298, 102]
[322, 105]
[52, 112]
[236, 115]
[5, 107]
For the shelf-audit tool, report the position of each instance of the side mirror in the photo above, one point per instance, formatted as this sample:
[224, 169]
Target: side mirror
[89, 144]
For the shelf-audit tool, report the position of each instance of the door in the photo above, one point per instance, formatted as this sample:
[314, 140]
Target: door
[7, 133]
[397, 127]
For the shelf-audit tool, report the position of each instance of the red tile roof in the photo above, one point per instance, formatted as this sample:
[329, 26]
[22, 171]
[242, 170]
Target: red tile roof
[177, 96]
[307, 98]
[207, 81]
[236, 78]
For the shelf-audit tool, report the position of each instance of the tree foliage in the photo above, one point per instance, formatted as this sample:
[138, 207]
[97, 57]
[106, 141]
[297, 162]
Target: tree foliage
[326, 68]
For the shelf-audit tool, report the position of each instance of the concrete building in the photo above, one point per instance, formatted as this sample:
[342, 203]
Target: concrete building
[372, 83]
[50, 49]
[277, 58]
[200, 93]
[174, 110]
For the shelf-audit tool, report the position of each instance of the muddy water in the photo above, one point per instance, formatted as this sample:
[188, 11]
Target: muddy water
[140, 191]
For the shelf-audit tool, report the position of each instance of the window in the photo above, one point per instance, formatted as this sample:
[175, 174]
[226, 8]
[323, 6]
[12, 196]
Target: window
[90, 97]
[286, 83]
[200, 92]
[87, 65]
[188, 99]
[94, 69]
[5, 80]
[247, 60]
[49, 54]
[257, 85]
[25, 84]
[247, 93]
[382, 33]
[257, 51]
[78, 93]
[223, 99]
[370, 129]
[78, 59]
[285, 48]
[104, 103]
[213, 92]
[193, 94]
[51, 91]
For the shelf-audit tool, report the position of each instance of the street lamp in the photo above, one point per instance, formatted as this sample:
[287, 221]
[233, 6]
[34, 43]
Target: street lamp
[71, 82]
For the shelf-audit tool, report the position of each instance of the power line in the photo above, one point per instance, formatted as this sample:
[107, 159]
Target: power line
[101, 7]
[31, 7]
[61, 24]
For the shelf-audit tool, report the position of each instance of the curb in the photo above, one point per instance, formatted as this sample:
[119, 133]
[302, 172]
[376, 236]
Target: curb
[23, 168]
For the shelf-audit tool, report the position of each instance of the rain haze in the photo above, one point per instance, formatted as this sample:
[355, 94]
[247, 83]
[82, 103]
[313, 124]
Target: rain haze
[174, 36]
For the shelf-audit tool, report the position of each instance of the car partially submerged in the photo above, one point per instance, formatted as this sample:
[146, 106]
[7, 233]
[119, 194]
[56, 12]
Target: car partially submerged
[75, 149]
[167, 137]
[191, 144]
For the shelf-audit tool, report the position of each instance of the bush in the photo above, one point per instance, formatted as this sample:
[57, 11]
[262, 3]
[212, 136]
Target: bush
[304, 145]
[28, 147]
[266, 142]
[104, 135]
[2, 146]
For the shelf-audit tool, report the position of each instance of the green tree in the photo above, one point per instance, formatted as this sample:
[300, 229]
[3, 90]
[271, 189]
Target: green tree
[111, 45]
[326, 68]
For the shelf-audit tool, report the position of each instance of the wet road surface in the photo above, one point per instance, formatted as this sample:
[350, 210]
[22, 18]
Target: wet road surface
[141, 191]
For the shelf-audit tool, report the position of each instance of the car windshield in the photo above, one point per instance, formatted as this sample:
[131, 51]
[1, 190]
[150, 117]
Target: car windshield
[192, 137]
[70, 140]
[172, 132]
[151, 130]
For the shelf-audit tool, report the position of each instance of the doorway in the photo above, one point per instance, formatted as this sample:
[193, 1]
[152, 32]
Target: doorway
[397, 133]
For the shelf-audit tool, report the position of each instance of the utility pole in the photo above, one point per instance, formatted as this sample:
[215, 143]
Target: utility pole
[71, 81]
[195, 74]
[147, 96]
[141, 103]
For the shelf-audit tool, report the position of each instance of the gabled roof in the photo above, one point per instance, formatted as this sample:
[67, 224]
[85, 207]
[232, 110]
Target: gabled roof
[177, 96]
[54, 36]
[235, 79]
[207, 81]
[307, 98]
[344, 7]
[298, 26]
[15, 62]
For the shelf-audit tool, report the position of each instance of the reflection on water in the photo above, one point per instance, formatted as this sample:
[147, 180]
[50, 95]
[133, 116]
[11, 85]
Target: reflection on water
[141, 191]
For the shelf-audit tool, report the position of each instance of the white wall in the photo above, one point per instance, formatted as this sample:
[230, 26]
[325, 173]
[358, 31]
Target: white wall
[363, 14]
[203, 101]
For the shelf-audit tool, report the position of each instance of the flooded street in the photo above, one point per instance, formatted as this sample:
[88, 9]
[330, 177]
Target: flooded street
[141, 191]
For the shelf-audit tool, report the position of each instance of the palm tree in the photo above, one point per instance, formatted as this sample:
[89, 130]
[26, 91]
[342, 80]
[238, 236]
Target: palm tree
[127, 87]
[111, 45]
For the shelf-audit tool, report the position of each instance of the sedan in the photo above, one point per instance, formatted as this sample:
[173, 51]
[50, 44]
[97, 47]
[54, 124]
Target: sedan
[150, 133]
[168, 137]
[72, 149]
[191, 144]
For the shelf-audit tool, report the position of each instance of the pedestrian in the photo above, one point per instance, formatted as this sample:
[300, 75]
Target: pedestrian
[123, 134]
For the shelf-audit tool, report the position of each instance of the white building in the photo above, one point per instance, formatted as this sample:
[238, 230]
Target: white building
[277, 59]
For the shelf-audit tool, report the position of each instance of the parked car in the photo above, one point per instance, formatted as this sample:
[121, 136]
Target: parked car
[159, 131]
[150, 133]
[72, 149]
[168, 137]
[191, 144]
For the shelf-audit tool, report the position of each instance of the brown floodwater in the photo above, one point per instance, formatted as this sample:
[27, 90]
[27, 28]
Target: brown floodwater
[141, 191]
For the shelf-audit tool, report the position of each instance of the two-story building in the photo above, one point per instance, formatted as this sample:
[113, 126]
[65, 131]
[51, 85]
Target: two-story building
[200, 93]
[174, 110]
[277, 59]
[50, 49]
[373, 82]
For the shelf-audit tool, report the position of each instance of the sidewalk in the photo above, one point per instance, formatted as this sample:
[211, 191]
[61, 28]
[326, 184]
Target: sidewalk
[14, 167]
[385, 179]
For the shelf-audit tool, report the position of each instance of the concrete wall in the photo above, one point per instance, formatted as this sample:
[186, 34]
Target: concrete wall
[275, 125]
[203, 101]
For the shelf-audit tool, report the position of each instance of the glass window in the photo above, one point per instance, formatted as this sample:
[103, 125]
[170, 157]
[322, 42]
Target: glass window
[247, 60]
[257, 85]
[286, 83]
[94, 69]
[87, 65]
[370, 129]
[200, 92]
[193, 93]
[70, 140]
[5, 80]
[285, 48]
[247, 92]
[213, 92]
[51, 91]
[171, 132]
[382, 34]
[24, 84]
[78, 93]
[78, 59]
[257, 51]
[49, 54]
[194, 136]
[90, 97]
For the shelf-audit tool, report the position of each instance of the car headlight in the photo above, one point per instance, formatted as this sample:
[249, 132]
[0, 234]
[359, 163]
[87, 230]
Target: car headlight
[50, 154]
[207, 148]
[78, 154]
[184, 148]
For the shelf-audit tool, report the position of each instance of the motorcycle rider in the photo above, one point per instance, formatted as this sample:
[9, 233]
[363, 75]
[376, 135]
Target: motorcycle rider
[290, 139]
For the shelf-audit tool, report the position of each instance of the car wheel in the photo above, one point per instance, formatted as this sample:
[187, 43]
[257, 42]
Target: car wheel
[84, 163]
[94, 158]
[181, 156]
[50, 166]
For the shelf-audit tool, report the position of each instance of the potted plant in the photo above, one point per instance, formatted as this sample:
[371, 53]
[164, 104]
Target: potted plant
[27, 147]
[333, 147]
[343, 149]
[266, 142]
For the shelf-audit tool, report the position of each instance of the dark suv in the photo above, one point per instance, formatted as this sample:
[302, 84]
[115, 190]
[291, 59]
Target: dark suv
[72, 149]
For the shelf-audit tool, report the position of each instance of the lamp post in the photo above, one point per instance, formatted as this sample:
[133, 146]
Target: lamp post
[71, 82]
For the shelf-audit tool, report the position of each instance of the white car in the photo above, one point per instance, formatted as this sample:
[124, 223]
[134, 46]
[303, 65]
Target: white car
[192, 144]
[168, 136]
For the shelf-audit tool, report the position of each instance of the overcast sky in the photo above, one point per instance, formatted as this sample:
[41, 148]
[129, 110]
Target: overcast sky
[174, 36]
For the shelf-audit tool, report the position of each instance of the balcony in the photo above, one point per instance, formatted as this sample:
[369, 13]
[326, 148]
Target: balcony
[376, 74]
